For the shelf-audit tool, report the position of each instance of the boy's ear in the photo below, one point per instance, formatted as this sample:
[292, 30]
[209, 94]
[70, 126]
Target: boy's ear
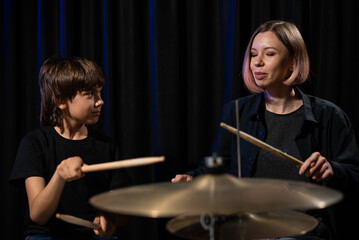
[61, 105]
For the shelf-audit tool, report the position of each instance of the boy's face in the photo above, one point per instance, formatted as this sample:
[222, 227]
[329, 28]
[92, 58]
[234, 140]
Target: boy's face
[85, 107]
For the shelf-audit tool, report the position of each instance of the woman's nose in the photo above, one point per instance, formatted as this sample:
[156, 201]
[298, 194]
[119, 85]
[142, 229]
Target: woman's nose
[258, 61]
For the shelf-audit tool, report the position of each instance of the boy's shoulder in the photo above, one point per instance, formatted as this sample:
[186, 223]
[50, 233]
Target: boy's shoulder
[95, 133]
[41, 132]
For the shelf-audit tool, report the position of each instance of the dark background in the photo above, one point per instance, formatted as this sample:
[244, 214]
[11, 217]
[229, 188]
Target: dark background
[170, 67]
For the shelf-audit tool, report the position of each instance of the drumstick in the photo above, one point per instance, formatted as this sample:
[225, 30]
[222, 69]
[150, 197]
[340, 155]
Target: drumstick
[77, 221]
[122, 164]
[262, 145]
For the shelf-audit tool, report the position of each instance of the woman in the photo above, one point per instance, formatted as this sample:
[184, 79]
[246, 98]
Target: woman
[309, 128]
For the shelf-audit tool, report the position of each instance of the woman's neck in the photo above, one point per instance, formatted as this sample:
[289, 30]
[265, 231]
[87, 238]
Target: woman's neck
[282, 102]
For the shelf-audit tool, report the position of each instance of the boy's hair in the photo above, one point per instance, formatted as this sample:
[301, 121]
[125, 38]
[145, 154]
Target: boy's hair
[60, 80]
[291, 38]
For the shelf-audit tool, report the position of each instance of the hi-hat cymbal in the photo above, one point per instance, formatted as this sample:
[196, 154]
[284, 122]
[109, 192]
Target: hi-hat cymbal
[221, 194]
[245, 226]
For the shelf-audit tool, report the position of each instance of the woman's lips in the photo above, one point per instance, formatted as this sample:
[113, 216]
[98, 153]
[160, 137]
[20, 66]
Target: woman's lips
[260, 75]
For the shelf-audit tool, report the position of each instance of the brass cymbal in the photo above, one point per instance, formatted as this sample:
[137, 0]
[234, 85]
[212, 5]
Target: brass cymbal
[221, 194]
[245, 226]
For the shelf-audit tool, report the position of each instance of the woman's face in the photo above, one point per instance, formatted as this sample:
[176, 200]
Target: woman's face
[270, 62]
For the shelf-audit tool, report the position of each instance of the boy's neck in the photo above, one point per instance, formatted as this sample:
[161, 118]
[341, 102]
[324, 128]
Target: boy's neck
[73, 133]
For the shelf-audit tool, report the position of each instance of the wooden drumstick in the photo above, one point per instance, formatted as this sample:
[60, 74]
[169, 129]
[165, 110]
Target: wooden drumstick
[122, 164]
[262, 145]
[77, 221]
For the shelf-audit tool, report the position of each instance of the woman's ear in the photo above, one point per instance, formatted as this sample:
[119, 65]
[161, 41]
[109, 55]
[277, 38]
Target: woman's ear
[292, 64]
[292, 74]
[290, 71]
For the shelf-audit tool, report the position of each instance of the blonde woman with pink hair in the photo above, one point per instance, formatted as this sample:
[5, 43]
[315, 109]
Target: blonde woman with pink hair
[308, 128]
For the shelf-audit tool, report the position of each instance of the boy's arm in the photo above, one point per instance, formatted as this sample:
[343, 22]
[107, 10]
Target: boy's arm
[43, 199]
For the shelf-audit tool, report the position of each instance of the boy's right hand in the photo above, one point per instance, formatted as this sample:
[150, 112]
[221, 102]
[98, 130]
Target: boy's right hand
[70, 169]
[182, 178]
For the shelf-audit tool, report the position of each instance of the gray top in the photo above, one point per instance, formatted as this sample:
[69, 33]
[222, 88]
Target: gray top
[281, 132]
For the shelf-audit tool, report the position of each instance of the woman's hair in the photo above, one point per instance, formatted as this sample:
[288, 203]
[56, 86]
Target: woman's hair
[60, 80]
[290, 36]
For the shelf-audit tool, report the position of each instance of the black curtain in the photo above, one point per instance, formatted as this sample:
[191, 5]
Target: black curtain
[170, 67]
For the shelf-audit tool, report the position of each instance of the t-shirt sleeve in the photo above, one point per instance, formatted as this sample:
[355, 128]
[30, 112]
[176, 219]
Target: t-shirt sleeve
[29, 158]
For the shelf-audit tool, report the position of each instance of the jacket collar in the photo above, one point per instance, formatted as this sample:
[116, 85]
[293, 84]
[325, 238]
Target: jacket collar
[308, 111]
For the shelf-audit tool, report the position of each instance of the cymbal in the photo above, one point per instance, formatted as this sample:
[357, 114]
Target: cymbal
[221, 194]
[245, 226]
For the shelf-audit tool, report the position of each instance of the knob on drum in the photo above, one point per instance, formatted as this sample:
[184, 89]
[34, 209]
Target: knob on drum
[214, 164]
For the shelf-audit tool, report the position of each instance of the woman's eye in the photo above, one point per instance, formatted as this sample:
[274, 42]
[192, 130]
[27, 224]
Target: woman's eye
[270, 53]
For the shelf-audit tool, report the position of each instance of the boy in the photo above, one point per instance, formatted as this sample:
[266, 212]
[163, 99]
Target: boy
[49, 159]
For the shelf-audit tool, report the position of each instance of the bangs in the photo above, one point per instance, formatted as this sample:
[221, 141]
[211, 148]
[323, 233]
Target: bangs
[75, 74]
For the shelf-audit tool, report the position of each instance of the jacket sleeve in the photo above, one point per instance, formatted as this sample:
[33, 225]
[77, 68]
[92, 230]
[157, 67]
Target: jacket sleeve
[345, 154]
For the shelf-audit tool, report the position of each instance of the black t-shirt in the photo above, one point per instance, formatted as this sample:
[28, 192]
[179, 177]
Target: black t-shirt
[41, 151]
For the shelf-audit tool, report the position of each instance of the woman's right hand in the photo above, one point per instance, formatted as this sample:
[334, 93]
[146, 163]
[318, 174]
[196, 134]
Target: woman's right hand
[182, 178]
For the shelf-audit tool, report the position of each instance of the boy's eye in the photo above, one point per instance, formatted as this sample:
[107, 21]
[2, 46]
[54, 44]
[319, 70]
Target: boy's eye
[88, 93]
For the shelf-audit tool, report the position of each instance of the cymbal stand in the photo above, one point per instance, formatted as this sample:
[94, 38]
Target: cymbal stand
[207, 221]
[238, 142]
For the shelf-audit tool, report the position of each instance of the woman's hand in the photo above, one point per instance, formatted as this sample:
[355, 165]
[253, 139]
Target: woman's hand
[182, 178]
[317, 167]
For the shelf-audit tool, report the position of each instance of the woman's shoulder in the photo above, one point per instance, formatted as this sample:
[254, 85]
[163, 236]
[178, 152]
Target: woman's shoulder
[249, 99]
[323, 108]
[247, 103]
[323, 104]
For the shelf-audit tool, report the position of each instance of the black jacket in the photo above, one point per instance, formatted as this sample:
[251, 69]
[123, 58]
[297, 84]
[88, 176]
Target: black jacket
[325, 128]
